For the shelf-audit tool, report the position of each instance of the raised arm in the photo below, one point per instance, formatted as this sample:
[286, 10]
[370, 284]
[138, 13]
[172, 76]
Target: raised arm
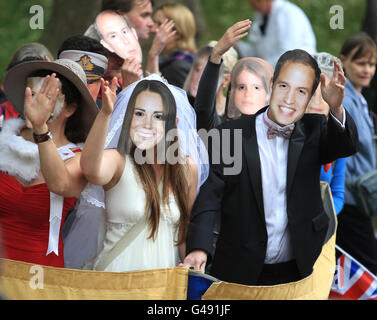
[334, 91]
[236, 32]
[341, 138]
[98, 165]
[62, 178]
[163, 34]
[205, 102]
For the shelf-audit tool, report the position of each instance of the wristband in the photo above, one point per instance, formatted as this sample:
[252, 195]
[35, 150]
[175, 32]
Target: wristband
[39, 138]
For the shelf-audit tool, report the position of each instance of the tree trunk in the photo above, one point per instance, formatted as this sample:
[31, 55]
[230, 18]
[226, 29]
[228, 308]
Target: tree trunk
[68, 18]
[370, 19]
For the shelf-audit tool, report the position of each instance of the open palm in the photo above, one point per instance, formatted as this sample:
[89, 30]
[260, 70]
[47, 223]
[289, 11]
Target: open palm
[108, 95]
[333, 92]
[38, 109]
[236, 32]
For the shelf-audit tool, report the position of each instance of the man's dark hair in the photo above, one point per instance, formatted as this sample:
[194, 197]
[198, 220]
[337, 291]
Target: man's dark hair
[118, 5]
[82, 43]
[298, 56]
[124, 6]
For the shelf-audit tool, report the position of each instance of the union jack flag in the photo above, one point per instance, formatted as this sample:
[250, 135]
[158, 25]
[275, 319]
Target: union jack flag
[352, 281]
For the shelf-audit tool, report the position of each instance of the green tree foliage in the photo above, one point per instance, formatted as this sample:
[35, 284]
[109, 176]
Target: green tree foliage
[15, 29]
[218, 16]
[222, 14]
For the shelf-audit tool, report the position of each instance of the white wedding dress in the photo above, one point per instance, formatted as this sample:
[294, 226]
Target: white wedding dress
[125, 205]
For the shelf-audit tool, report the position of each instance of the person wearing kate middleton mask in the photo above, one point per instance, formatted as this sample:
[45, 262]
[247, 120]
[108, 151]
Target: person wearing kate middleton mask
[273, 224]
[148, 193]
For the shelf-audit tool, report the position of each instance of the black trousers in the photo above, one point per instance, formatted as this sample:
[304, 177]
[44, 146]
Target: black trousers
[279, 273]
[355, 235]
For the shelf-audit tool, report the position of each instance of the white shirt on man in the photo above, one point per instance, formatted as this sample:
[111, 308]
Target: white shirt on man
[273, 155]
[287, 28]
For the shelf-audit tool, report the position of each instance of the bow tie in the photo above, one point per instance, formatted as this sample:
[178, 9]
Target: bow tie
[273, 131]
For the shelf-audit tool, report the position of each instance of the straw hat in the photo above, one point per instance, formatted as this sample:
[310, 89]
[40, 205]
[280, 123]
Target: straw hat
[15, 84]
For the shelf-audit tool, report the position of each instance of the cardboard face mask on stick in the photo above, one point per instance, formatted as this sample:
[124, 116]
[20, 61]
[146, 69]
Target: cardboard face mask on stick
[117, 36]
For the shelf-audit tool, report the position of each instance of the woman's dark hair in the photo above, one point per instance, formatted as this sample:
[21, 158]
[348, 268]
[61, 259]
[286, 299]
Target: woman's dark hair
[73, 129]
[173, 175]
[122, 5]
[365, 45]
[298, 56]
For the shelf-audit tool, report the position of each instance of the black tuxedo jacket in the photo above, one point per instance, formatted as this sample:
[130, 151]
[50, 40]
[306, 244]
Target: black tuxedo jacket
[242, 243]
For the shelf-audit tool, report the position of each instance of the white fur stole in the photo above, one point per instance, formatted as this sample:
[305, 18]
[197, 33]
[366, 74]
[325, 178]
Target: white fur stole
[18, 157]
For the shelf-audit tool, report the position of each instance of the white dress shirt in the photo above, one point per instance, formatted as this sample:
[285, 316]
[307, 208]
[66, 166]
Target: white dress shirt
[287, 28]
[273, 159]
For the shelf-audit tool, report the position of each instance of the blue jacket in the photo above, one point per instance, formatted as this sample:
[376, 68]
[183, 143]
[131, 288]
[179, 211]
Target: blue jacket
[364, 160]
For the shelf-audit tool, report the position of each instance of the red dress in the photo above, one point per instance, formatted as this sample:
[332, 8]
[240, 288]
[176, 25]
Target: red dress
[24, 220]
[8, 111]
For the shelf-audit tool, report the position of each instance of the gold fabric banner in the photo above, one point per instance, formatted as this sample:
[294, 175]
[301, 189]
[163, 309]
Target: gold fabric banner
[24, 281]
[315, 287]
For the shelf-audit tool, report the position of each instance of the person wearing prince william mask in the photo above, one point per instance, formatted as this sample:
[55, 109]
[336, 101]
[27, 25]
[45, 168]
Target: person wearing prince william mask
[273, 224]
